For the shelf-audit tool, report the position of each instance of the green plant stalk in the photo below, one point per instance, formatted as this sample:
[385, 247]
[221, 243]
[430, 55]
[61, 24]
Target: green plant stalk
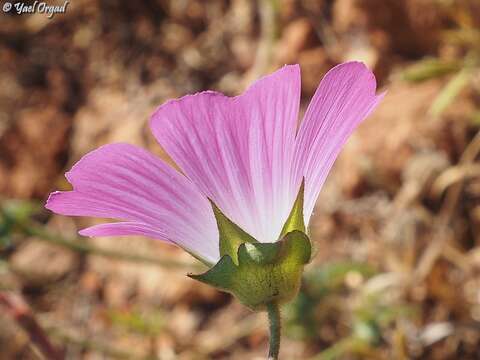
[430, 68]
[450, 91]
[274, 318]
[20, 222]
[84, 248]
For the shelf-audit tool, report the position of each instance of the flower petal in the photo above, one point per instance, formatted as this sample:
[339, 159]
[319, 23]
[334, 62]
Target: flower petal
[122, 228]
[124, 182]
[239, 150]
[345, 97]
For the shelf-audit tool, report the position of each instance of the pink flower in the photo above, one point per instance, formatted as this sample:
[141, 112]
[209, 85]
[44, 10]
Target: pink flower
[244, 153]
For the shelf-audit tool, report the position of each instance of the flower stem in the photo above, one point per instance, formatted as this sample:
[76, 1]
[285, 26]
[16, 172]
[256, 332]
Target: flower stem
[275, 326]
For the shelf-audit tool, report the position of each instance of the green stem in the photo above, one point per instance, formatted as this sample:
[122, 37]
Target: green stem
[275, 326]
[15, 221]
[84, 248]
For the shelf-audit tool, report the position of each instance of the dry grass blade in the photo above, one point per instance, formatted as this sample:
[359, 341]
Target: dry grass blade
[443, 232]
[454, 175]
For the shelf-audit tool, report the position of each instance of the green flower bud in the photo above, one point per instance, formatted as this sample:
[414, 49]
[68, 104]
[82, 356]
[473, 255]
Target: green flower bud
[260, 273]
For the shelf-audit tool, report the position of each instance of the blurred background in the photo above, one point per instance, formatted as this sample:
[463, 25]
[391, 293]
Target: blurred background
[396, 272]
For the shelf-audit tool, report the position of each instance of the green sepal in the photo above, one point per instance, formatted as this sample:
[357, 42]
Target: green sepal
[231, 235]
[295, 220]
[266, 272]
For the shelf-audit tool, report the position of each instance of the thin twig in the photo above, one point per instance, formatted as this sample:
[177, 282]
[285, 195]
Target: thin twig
[454, 192]
[22, 314]
[443, 230]
[268, 10]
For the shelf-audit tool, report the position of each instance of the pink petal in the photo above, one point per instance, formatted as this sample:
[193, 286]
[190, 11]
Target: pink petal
[343, 99]
[124, 182]
[239, 150]
[123, 228]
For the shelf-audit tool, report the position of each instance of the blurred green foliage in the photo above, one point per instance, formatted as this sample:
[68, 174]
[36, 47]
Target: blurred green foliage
[12, 213]
[147, 324]
[369, 315]
[429, 68]
[462, 41]
[319, 283]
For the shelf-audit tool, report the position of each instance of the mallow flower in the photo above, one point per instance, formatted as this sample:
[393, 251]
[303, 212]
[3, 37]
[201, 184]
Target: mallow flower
[248, 179]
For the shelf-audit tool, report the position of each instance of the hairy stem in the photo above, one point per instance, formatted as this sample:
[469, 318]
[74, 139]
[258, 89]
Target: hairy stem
[275, 326]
